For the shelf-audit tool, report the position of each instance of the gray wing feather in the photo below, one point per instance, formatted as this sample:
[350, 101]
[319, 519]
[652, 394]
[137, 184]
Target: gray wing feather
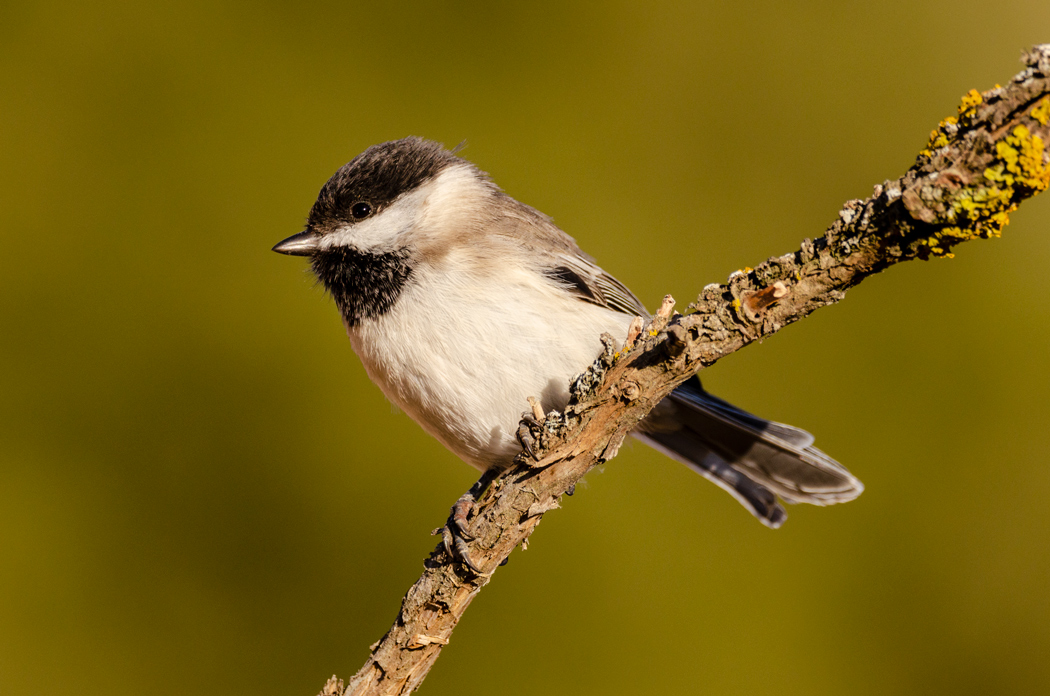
[561, 259]
[591, 284]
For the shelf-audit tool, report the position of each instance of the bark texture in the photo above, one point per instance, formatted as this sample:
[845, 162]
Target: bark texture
[978, 167]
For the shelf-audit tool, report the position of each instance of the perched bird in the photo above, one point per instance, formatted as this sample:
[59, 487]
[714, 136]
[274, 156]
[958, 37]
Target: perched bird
[462, 302]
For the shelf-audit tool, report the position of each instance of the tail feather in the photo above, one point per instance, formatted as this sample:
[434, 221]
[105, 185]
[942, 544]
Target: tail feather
[762, 503]
[754, 459]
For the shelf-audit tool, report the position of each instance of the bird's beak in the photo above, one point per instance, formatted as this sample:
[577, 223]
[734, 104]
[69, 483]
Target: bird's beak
[302, 244]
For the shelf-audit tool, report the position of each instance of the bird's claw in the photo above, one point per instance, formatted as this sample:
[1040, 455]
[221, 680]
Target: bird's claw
[526, 438]
[456, 546]
[458, 517]
[455, 534]
[529, 427]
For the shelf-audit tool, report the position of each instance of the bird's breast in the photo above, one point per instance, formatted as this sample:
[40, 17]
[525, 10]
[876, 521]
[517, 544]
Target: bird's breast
[461, 355]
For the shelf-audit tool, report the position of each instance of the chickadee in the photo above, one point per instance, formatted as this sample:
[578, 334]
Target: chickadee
[462, 302]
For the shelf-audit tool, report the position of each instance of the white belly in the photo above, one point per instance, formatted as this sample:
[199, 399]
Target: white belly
[462, 362]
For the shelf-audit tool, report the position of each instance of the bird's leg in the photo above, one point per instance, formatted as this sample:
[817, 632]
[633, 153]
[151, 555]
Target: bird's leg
[530, 420]
[454, 533]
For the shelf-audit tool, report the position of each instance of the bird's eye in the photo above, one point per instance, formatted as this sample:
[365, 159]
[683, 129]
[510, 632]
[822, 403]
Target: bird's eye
[361, 210]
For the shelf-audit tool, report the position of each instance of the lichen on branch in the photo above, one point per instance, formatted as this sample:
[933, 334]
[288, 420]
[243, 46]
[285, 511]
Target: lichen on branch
[964, 203]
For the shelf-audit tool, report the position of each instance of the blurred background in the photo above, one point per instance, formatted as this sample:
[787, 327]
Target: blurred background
[201, 492]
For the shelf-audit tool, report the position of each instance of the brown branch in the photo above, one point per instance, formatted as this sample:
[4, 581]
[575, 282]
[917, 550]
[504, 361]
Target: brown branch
[977, 168]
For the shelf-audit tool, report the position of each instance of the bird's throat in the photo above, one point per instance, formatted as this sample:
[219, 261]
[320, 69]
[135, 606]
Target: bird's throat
[363, 285]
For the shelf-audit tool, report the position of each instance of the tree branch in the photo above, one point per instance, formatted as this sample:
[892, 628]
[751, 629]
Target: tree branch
[977, 168]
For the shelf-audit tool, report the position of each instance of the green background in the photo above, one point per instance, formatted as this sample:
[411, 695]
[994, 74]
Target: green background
[201, 492]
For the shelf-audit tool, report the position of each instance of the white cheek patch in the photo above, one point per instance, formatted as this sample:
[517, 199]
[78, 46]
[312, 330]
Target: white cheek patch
[378, 233]
[424, 208]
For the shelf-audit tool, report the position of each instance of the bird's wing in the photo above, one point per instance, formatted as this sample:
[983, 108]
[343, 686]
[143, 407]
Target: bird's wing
[564, 263]
[585, 279]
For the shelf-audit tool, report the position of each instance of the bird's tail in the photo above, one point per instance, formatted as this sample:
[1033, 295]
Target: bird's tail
[755, 460]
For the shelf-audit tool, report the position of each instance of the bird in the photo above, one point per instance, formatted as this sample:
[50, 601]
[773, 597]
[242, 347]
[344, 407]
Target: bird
[461, 302]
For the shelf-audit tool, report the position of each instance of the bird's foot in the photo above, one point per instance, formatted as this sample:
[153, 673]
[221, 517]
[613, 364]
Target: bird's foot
[529, 427]
[455, 534]
[526, 438]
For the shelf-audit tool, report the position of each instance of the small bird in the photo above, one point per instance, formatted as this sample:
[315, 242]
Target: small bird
[462, 302]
